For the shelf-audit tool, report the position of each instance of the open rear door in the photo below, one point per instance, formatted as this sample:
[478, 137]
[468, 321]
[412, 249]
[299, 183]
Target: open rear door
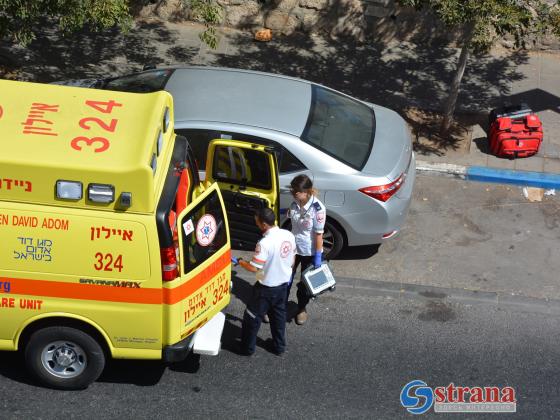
[202, 289]
[248, 178]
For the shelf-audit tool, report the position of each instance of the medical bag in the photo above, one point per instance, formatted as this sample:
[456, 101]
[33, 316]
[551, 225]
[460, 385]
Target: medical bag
[515, 131]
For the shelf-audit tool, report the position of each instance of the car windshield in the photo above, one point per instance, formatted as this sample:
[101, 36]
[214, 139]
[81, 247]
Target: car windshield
[340, 126]
[148, 81]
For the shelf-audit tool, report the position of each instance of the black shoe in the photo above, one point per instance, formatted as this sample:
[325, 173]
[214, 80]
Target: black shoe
[270, 347]
[240, 350]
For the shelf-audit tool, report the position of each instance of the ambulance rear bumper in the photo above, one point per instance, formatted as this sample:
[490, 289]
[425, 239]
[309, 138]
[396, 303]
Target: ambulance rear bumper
[206, 340]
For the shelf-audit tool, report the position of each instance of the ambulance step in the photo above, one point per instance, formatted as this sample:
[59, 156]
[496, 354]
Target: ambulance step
[207, 340]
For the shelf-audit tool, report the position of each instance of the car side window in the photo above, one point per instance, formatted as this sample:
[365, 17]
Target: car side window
[289, 163]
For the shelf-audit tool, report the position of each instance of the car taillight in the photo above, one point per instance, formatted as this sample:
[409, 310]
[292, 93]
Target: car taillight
[169, 263]
[384, 192]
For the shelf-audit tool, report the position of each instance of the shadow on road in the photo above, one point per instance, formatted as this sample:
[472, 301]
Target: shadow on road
[136, 372]
[358, 252]
[12, 366]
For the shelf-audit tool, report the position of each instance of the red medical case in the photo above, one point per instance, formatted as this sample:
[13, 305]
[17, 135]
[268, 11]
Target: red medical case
[515, 132]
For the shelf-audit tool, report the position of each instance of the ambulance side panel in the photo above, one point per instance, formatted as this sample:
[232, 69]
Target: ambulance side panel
[75, 264]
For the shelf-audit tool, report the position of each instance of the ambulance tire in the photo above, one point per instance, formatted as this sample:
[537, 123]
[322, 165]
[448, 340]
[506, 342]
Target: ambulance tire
[88, 356]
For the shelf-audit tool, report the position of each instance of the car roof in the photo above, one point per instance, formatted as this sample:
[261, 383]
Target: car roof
[242, 97]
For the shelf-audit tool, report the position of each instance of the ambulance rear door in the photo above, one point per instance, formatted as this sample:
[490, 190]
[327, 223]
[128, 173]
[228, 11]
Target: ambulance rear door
[248, 178]
[201, 289]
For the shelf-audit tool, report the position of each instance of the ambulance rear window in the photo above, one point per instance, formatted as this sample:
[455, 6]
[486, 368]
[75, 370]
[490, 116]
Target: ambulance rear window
[247, 167]
[204, 232]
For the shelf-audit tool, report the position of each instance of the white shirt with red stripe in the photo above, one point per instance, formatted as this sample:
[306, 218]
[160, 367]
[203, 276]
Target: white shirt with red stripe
[275, 255]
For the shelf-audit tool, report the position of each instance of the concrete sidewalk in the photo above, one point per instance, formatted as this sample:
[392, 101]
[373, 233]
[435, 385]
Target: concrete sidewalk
[539, 87]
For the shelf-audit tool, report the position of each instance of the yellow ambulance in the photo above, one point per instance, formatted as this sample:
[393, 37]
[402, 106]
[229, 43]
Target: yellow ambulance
[111, 245]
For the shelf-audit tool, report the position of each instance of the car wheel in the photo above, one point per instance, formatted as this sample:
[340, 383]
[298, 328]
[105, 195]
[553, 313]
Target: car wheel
[333, 241]
[64, 357]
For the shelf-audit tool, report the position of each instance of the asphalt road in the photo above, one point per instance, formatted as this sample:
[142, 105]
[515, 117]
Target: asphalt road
[350, 361]
[359, 348]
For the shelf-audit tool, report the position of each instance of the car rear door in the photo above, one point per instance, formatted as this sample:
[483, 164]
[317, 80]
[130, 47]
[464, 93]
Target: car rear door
[247, 174]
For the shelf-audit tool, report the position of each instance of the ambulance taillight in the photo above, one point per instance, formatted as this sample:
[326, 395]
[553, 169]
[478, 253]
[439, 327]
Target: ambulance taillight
[169, 269]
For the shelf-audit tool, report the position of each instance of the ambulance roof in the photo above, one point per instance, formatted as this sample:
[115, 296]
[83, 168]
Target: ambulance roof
[51, 132]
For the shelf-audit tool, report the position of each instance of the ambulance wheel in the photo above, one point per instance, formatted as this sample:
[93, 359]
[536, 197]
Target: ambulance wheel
[64, 357]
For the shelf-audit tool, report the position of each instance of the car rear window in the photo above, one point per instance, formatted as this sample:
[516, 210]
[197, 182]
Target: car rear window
[340, 126]
[148, 81]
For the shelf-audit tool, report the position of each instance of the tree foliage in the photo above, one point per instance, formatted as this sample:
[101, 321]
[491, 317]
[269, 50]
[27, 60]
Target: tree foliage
[484, 21]
[211, 14]
[20, 19]
[491, 19]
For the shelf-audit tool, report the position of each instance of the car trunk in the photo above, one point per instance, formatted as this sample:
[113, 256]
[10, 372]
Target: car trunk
[392, 147]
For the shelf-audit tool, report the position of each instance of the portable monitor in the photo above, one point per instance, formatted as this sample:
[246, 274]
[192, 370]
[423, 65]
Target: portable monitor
[317, 280]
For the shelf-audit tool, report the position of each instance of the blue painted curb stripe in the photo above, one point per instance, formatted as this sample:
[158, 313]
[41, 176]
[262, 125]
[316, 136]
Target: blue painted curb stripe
[506, 176]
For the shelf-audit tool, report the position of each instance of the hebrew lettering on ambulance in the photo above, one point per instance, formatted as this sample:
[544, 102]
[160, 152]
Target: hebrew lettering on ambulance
[106, 233]
[12, 184]
[34, 249]
[37, 121]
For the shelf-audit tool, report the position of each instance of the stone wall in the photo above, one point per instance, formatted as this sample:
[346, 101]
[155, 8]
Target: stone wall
[288, 16]
[359, 19]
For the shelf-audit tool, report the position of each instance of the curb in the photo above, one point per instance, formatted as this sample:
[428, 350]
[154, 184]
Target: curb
[361, 287]
[364, 287]
[494, 175]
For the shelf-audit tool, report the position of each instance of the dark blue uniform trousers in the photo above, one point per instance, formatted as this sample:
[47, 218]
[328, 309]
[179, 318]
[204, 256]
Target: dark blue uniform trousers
[303, 297]
[271, 300]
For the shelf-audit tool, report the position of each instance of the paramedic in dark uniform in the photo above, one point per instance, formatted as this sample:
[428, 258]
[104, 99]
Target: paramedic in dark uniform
[274, 255]
[308, 216]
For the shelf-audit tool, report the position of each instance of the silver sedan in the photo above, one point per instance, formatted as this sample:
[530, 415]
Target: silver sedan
[359, 155]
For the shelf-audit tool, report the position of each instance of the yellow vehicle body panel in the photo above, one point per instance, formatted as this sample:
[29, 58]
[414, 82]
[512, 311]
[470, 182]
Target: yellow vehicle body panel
[110, 280]
[86, 135]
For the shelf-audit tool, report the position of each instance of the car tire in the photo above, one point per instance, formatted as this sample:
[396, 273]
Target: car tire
[333, 240]
[64, 358]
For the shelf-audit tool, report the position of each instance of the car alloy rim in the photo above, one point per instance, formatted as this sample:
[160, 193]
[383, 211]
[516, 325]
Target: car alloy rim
[328, 241]
[64, 359]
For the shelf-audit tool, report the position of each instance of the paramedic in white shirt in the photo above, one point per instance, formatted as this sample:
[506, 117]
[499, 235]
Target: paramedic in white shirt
[274, 255]
[308, 217]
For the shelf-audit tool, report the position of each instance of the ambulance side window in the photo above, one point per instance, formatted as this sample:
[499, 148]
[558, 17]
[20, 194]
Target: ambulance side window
[203, 232]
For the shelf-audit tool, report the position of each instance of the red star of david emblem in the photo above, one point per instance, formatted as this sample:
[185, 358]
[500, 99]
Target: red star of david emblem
[206, 230]
[285, 249]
